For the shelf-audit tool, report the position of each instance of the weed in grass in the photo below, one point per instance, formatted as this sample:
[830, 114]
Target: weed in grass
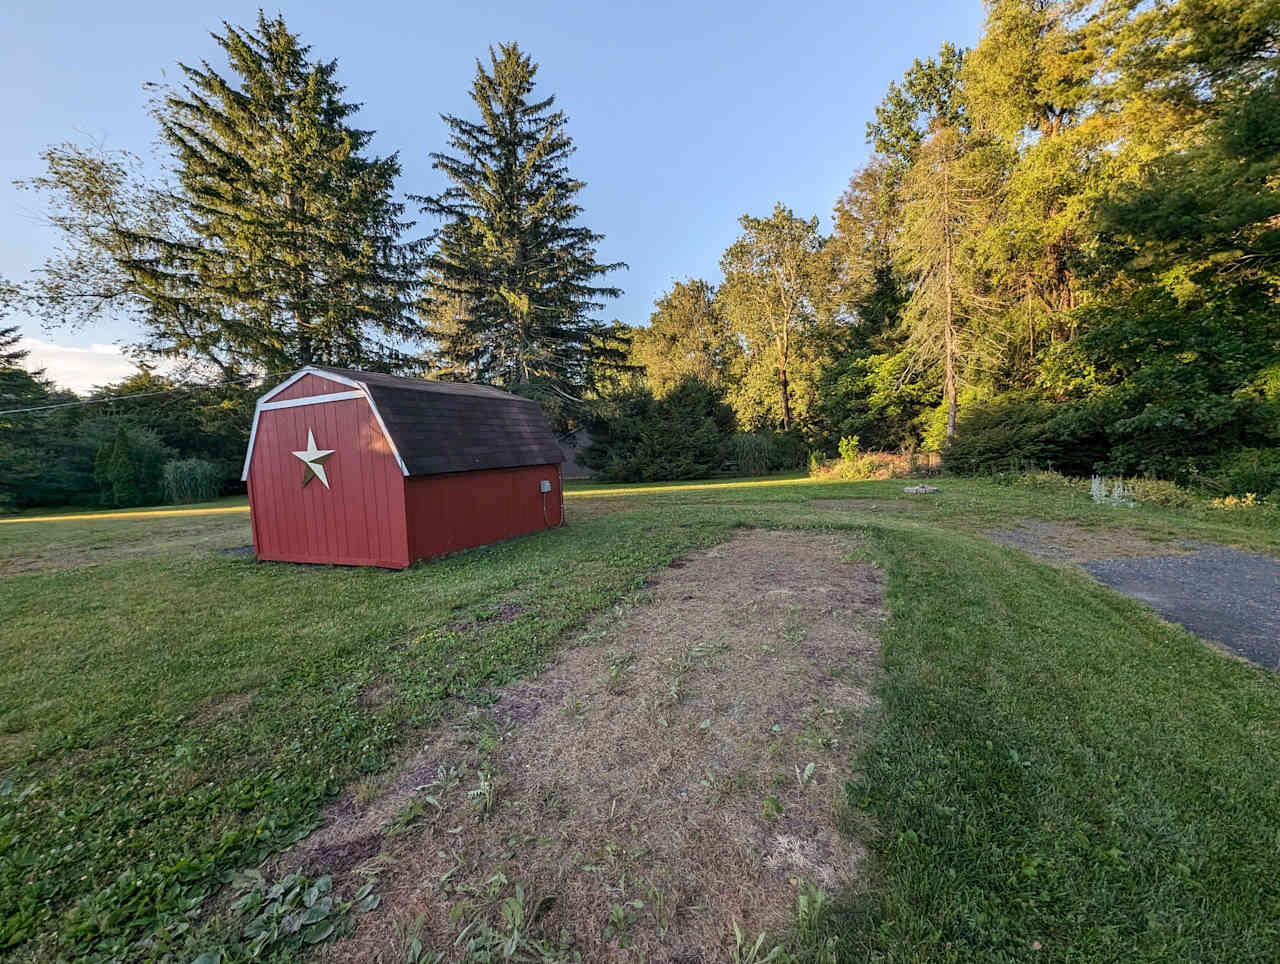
[412, 950]
[622, 917]
[753, 953]
[281, 919]
[484, 795]
[616, 682]
[804, 777]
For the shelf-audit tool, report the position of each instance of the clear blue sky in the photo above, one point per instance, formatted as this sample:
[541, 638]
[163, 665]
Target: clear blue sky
[685, 115]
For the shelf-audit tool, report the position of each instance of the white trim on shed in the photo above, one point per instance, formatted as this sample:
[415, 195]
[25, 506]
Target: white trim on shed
[361, 391]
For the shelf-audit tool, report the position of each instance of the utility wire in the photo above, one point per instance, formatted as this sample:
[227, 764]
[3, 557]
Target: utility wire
[120, 398]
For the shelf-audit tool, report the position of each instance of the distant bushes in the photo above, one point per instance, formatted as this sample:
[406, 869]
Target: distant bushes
[191, 480]
[759, 453]
[855, 465]
[635, 437]
[1227, 441]
[1250, 470]
[128, 468]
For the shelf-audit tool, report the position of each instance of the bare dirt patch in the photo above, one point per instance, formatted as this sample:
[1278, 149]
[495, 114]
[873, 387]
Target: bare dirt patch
[679, 770]
[1056, 542]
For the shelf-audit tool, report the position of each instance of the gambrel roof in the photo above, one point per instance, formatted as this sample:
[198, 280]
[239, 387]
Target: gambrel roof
[435, 427]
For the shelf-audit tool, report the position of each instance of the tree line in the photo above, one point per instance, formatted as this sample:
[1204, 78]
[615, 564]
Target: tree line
[272, 238]
[1062, 252]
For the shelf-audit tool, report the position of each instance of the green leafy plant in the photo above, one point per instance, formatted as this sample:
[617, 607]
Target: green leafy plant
[284, 917]
[622, 917]
[753, 953]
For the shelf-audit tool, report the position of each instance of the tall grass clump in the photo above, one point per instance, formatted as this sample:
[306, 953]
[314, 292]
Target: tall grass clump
[191, 480]
[752, 453]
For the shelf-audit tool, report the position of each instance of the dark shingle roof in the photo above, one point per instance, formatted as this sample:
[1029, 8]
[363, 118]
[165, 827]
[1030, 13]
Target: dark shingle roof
[440, 427]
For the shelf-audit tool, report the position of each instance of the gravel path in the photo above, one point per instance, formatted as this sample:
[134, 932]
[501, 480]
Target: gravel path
[1224, 595]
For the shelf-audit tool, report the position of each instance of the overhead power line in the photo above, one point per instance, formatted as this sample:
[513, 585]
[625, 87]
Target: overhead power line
[120, 398]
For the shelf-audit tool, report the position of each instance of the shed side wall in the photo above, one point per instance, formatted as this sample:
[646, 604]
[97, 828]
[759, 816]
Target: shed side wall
[447, 513]
[358, 520]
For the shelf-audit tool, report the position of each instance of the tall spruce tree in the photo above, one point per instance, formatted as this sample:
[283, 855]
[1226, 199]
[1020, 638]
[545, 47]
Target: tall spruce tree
[512, 279]
[277, 242]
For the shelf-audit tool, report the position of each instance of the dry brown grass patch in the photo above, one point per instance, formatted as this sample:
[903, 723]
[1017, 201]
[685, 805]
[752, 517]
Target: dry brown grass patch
[679, 771]
[1056, 542]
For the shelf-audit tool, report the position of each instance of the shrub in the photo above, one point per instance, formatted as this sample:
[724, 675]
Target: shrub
[854, 465]
[1159, 492]
[1005, 435]
[1249, 470]
[752, 453]
[191, 480]
[683, 435]
[788, 451]
[127, 468]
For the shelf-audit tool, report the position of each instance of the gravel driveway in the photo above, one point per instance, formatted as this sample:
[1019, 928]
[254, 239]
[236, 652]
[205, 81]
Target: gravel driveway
[1223, 595]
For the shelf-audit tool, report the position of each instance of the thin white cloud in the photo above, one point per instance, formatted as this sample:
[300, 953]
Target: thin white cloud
[78, 368]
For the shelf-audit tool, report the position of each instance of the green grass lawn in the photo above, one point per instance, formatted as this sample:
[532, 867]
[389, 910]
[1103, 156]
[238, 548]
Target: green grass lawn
[1053, 767]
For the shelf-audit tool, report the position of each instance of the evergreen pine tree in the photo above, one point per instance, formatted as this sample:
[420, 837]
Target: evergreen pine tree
[277, 244]
[11, 356]
[512, 277]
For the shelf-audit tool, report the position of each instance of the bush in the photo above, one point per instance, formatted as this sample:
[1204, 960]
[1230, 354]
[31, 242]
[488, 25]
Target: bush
[788, 451]
[1249, 470]
[127, 468]
[1159, 492]
[191, 480]
[1009, 434]
[752, 453]
[683, 435]
[853, 465]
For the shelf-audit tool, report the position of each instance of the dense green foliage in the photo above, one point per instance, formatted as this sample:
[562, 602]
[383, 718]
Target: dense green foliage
[62, 456]
[1079, 217]
[1064, 252]
[512, 278]
[636, 437]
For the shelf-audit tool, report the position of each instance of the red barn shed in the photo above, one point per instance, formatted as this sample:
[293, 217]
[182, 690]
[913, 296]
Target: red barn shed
[365, 469]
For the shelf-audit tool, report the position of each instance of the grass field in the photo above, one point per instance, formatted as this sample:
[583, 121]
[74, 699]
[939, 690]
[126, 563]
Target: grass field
[1056, 773]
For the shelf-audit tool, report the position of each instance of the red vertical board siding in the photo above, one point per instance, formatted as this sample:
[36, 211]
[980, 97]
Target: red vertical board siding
[447, 513]
[358, 520]
[309, 385]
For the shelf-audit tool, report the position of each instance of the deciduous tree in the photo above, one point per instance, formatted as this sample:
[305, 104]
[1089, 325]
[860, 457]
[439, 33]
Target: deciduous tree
[778, 285]
[686, 336]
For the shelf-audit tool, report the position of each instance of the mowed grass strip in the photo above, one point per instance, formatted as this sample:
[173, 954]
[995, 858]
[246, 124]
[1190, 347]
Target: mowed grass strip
[135, 772]
[1053, 763]
[1060, 775]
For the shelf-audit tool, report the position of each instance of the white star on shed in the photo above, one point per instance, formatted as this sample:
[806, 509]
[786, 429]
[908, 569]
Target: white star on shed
[313, 458]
